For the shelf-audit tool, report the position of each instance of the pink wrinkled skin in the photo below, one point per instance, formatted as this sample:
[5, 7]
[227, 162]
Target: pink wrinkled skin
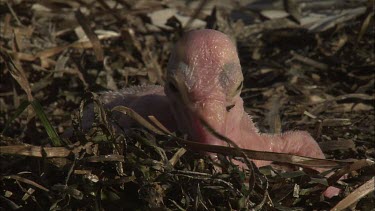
[205, 67]
[204, 80]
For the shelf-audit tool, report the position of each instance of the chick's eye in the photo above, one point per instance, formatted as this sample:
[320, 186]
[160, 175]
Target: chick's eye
[172, 87]
[239, 87]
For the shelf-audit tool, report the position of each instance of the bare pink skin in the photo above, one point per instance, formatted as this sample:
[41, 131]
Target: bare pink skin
[204, 80]
[205, 67]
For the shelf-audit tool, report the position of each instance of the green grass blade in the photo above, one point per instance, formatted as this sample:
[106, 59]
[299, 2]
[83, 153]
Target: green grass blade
[56, 141]
[19, 111]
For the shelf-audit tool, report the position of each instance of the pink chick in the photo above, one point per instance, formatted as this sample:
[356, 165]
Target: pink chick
[204, 81]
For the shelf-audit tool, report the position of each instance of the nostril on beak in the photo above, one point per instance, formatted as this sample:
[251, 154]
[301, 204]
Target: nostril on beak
[172, 87]
[230, 107]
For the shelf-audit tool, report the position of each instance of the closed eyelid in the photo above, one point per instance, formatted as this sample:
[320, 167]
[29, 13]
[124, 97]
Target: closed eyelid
[240, 86]
[229, 74]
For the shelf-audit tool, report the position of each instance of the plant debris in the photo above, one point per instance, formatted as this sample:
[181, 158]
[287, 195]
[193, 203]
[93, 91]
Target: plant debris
[307, 65]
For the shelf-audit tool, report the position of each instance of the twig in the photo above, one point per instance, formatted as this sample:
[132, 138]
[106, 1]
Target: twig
[309, 61]
[13, 13]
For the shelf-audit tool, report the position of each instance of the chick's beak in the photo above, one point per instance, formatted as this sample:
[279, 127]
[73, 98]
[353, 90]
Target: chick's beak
[199, 111]
[209, 116]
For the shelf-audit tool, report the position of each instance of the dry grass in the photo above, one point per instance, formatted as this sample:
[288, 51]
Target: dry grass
[54, 54]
